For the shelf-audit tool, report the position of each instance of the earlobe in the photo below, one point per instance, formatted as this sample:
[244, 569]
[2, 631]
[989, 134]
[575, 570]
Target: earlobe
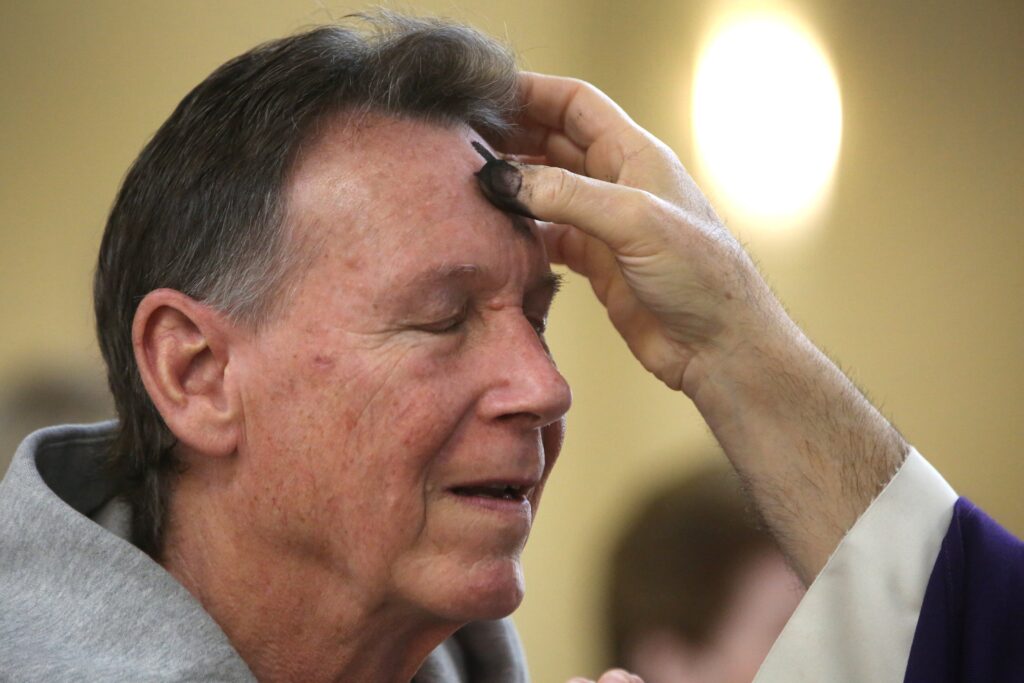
[182, 349]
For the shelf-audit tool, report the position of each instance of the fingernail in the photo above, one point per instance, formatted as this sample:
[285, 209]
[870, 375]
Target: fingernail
[501, 182]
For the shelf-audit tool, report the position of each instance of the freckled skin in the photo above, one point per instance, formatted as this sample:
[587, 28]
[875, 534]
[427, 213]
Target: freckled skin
[336, 510]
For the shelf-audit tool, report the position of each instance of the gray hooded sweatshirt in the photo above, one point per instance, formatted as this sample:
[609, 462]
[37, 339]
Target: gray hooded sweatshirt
[79, 602]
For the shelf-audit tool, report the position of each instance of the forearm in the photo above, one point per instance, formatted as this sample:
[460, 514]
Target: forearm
[811, 449]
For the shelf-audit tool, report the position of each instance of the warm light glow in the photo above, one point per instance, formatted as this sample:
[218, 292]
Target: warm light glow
[767, 120]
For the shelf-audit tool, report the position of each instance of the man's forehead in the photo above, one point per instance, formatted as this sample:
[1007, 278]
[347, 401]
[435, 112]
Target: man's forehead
[391, 199]
[382, 150]
[361, 175]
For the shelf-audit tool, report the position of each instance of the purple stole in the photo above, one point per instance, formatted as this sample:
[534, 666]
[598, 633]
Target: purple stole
[971, 626]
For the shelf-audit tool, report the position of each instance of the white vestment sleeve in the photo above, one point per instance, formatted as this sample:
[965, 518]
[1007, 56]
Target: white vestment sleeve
[856, 623]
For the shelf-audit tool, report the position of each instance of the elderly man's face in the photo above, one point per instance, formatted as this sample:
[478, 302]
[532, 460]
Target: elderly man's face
[402, 414]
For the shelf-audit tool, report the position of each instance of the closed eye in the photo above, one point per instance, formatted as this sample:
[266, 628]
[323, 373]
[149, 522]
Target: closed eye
[447, 325]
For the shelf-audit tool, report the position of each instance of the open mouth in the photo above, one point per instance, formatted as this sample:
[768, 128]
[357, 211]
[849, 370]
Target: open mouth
[496, 491]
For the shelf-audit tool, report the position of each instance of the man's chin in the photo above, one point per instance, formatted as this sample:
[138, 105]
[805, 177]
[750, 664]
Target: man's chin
[485, 590]
[494, 590]
[497, 604]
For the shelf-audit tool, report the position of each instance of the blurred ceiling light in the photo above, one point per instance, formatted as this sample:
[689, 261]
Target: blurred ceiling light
[767, 120]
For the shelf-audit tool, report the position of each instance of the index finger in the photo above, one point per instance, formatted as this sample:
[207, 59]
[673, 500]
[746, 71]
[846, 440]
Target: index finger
[576, 108]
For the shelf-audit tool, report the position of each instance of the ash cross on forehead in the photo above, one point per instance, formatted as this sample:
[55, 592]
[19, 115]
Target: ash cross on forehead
[500, 182]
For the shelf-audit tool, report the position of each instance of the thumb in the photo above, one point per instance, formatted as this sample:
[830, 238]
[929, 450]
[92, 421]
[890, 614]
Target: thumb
[617, 215]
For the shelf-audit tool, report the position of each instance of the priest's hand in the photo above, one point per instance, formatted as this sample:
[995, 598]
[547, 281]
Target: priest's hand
[620, 209]
[611, 676]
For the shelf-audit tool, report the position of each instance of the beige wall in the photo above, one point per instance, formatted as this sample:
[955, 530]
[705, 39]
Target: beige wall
[912, 282]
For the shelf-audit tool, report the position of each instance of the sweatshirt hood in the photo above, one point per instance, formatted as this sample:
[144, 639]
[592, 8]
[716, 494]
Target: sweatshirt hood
[77, 599]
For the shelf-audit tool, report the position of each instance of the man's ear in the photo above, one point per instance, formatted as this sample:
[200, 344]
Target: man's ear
[183, 349]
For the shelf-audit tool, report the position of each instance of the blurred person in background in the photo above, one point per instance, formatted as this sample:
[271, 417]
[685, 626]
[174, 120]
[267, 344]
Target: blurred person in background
[38, 398]
[699, 590]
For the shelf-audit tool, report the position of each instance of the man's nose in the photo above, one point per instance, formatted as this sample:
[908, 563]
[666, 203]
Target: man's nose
[527, 387]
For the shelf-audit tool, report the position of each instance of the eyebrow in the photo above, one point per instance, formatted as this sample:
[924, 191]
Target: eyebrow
[550, 282]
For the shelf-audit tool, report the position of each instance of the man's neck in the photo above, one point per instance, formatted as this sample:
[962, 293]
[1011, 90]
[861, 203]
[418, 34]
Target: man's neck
[288, 617]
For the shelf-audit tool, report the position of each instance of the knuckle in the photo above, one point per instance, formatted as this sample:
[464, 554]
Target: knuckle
[583, 85]
[642, 207]
[602, 96]
[563, 188]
